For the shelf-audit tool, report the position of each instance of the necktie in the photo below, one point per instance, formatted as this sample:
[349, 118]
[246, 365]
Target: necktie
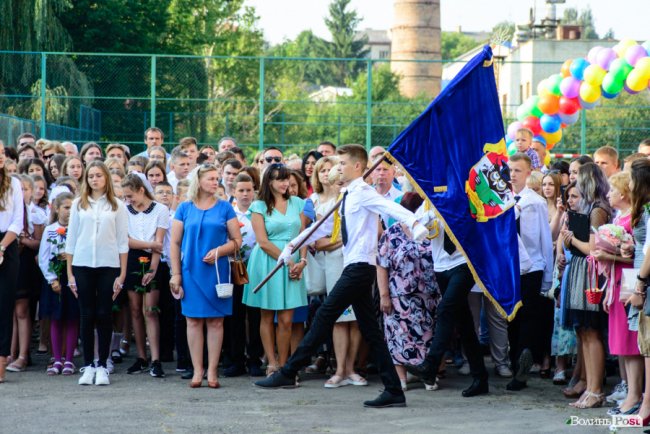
[344, 229]
[518, 221]
[448, 245]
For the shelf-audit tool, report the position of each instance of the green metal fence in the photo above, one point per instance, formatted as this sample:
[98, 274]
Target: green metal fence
[260, 101]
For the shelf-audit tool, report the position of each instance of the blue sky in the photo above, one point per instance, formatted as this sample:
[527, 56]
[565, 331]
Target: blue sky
[286, 18]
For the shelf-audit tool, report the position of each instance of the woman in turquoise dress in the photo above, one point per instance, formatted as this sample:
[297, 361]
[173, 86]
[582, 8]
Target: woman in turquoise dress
[277, 218]
[204, 229]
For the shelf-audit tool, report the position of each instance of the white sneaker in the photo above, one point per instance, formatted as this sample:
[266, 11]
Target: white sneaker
[87, 376]
[464, 370]
[619, 393]
[110, 366]
[101, 376]
[504, 371]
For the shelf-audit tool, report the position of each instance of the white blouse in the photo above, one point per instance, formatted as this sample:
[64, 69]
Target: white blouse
[144, 224]
[11, 219]
[52, 245]
[97, 235]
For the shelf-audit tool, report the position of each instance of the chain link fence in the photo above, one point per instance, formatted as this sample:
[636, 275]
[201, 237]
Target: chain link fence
[260, 101]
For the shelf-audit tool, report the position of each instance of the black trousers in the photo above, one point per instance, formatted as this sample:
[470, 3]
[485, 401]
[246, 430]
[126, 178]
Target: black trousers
[353, 288]
[453, 312]
[8, 285]
[167, 314]
[527, 329]
[235, 327]
[95, 291]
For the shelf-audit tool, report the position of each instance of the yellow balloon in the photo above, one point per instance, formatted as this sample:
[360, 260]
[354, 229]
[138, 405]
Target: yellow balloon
[547, 160]
[643, 66]
[594, 75]
[542, 87]
[622, 46]
[636, 81]
[552, 138]
[589, 93]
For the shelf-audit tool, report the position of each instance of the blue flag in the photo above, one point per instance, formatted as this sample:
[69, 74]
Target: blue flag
[454, 153]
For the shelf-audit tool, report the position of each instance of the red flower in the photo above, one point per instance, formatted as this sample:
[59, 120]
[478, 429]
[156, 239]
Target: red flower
[61, 231]
[241, 225]
[144, 260]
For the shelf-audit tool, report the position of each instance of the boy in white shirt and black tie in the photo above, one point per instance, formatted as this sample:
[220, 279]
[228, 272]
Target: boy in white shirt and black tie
[359, 211]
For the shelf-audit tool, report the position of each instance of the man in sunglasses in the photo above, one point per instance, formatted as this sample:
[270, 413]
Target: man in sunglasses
[272, 155]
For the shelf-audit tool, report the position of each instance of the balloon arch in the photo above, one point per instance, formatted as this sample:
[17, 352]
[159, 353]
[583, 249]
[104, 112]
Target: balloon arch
[604, 73]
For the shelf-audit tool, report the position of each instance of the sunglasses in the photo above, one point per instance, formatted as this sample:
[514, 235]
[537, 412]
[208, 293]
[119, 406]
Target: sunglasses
[47, 157]
[270, 159]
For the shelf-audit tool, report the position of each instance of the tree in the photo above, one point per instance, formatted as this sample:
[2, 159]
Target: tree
[584, 18]
[503, 31]
[342, 25]
[453, 44]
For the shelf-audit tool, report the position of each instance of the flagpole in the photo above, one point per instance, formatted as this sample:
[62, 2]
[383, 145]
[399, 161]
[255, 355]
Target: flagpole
[313, 229]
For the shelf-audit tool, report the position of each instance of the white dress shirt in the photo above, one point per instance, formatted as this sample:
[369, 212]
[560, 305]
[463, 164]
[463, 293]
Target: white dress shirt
[11, 219]
[247, 233]
[35, 216]
[362, 207]
[97, 235]
[535, 233]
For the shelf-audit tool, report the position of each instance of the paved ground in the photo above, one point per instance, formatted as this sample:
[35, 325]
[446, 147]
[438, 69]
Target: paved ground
[32, 402]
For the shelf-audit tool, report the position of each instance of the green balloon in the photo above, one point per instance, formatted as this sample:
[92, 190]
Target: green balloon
[535, 111]
[620, 69]
[554, 84]
[611, 85]
[512, 149]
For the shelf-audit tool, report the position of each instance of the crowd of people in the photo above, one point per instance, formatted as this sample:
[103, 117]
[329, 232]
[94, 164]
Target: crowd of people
[106, 255]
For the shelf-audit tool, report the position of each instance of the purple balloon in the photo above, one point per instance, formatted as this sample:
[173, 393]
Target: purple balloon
[593, 53]
[570, 87]
[569, 119]
[605, 57]
[634, 53]
[513, 128]
[630, 91]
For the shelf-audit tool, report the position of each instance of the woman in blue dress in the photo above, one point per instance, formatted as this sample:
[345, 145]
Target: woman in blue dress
[204, 229]
[277, 218]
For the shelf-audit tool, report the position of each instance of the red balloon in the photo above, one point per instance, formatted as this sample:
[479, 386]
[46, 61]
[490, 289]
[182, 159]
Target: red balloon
[532, 123]
[548, 104]
[569, 106]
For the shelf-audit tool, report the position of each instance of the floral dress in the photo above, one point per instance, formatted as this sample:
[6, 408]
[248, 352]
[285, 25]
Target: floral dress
[414, 294]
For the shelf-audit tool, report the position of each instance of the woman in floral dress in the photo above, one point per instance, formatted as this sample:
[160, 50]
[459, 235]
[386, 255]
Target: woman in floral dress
[408, 293]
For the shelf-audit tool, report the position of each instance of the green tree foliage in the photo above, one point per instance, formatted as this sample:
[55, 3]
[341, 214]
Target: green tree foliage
[453, 44]
[37, 26]
[342, 24]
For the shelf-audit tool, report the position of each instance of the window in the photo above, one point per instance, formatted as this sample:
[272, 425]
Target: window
[384, 54]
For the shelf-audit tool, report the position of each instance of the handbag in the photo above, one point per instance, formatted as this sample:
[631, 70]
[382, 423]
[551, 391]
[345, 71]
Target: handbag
[224, 290]
[239, 272]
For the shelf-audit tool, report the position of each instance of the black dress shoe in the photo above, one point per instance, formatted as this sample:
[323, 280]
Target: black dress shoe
[277, 381]
[516, 385]
[478, 387]
[234, 371]
[386, 399]
[425, 370]
[188, 374]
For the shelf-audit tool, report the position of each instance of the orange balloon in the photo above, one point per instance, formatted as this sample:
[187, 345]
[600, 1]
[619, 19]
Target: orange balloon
[549, 104]
[565, 71]
[549, 146]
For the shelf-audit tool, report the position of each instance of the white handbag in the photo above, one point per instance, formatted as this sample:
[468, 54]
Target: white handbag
[224, 290]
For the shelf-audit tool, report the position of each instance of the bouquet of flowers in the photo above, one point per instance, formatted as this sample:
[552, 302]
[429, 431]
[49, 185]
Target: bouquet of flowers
[610, 237]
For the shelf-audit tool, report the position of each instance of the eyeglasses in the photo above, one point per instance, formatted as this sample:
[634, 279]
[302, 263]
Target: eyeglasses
[270, 159]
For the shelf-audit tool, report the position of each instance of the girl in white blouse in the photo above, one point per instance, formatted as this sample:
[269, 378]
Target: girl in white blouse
[148, 223]
[11, 225]
[97, 249]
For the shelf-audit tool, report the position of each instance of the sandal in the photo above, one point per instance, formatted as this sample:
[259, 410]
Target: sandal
[591, 400]
[318, 367]
[559, 378]
[68, 368]
[571, 392]
[55, 369]
[336, 381]
[357, 380]
[583, 396]
[16, 367]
